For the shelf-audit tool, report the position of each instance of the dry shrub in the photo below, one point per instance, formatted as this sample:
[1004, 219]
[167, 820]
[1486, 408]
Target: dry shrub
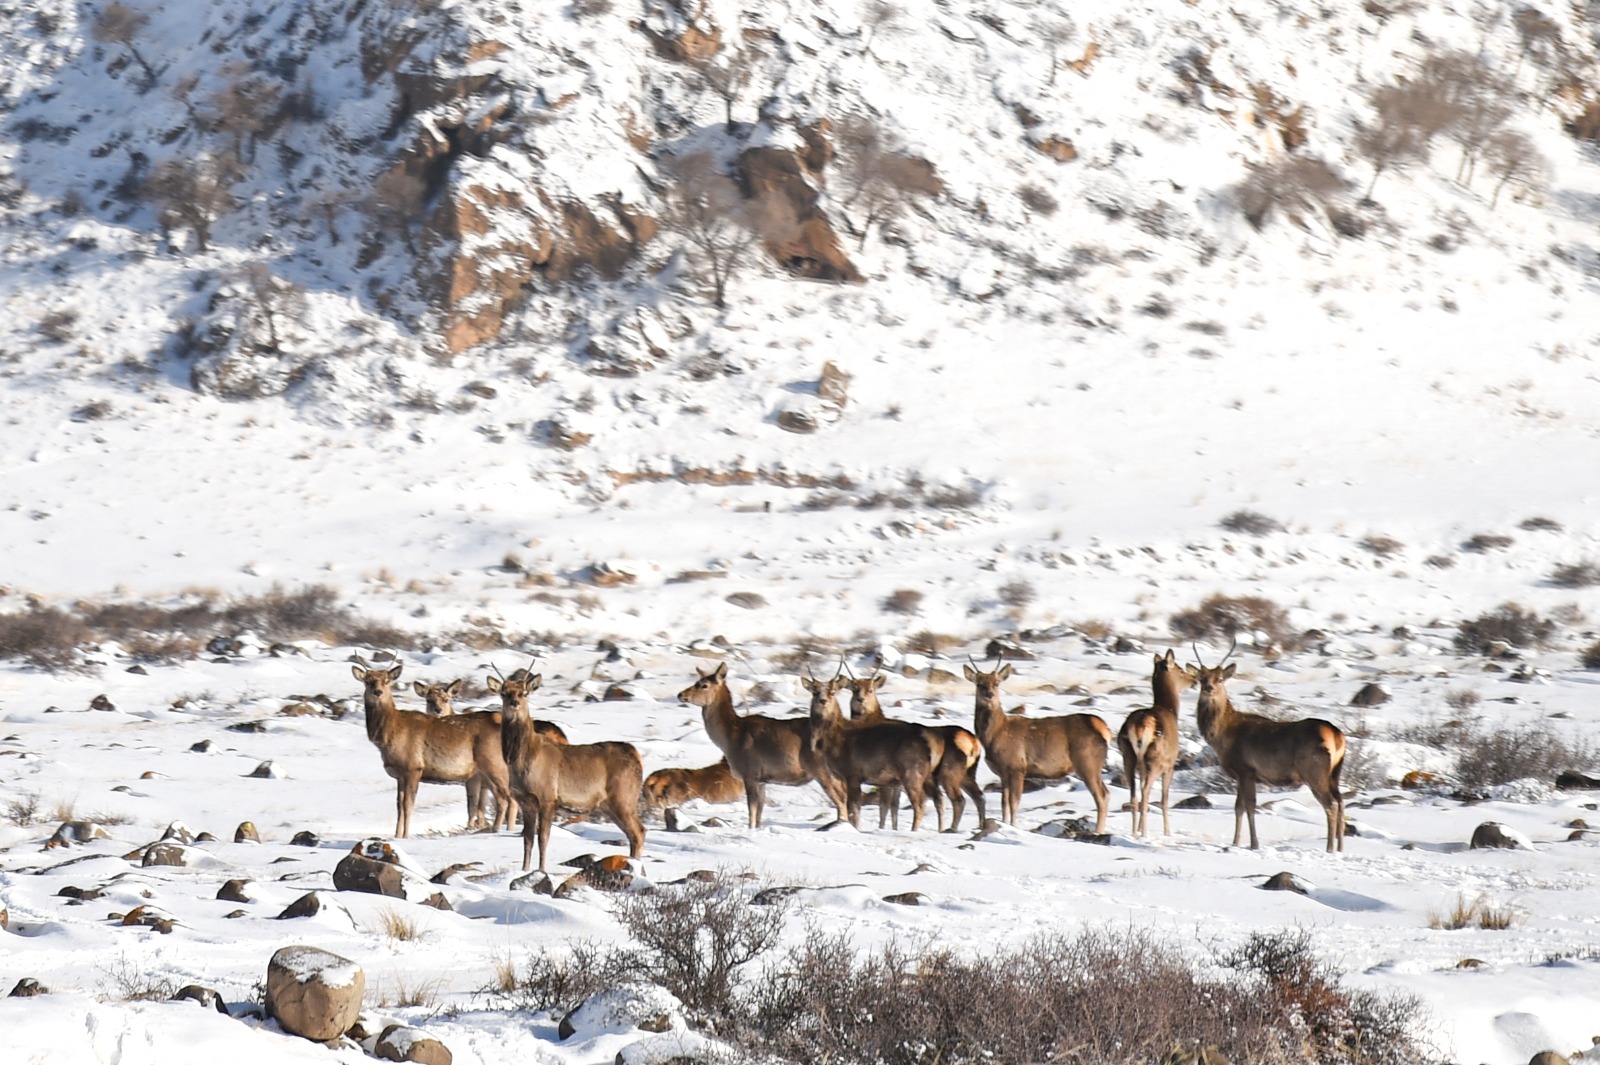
[1095, 997]
[1591, 656]
[1465, 913]
[1462, 698]
[1380, 545]
[1539, 524]
[1508, 623]
[1228, 616]
[1017, 593]
[903, 601]
[560, 978]
[1296, 185]
[1576, 575]
[1488, 757]
[1251, 523]
[1483, 543]
[43, 636]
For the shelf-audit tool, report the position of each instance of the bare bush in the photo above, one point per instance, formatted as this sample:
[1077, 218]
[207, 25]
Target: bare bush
[119, 24]
[1511, 157]
[1228, 616]
[396, 204]
[1381, 545]
[23, 810]
[1591, 656]
[1488, 757]
[1576, 575]
[1017, 593]
[696, 938]
[1038, 200]
[903, 601]
[193, 192]
[1539, 524]
[560, 978]
[1460, 699]
[246, 106]
[727, 76]
[1485, 542]
[896, 1006]
[43, 636]
[1508, 623]
[1294, 185]
[875, 177]
[1251, 523]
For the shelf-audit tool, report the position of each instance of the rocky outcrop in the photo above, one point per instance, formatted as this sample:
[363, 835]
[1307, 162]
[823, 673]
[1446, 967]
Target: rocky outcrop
[794, 230]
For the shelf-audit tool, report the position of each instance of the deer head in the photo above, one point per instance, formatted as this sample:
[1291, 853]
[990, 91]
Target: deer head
[705, 689]
[378, 681]
[515, 689]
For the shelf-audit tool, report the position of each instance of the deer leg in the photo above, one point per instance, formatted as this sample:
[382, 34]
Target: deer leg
[752, 800]
[1166, 795]
[917, 792]
[474, 787]
[406, 801]
[1096, 783]
[547, 816]
[1244, 808]
[852, 801]
[1011, 796]
[627, 819]
[969, 784]
[937, 794]
[529, 829]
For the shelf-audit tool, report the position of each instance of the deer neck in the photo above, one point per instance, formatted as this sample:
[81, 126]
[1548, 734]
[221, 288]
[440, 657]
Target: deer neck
[1165, 691]
[722, 724]
[380, 710]
[988, 720]
[1214, 714]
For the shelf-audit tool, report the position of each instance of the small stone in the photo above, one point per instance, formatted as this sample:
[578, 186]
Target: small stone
[443, 876]
[1492, 834]
[438, 902]
[357, 873]
[27, 987]
[537, 882]
[234, 891]
[248, 726]
[773, 895]
[100, 702]
[1577, 822]
[246, 833]
[137, 670]
[148, 917]
[582, 861]
[201, 747]
[906, 898]
[402, 1043]
[307, 905]
[702, 876]
[268, 770]
[1548, 1057]
[234, 915]
[203, 995]
[1284, 882]
[1193, 802]
[305, 838]
[1370, 694]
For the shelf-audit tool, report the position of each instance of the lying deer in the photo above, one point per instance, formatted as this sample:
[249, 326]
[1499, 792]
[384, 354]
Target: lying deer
[667, 789]
[1051, 747]
[1148, 740]
[886, 753]
[958, 760]
[760, 750]
[1257, 750]
[460, 749]
[545, 773]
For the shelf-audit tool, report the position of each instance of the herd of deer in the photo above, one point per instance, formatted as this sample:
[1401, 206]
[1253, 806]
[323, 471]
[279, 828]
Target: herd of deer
[529, 766]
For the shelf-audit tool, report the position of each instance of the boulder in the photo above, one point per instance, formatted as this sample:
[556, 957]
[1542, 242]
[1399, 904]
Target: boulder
[538, 882]
[1370, 694]
[401, 1043]
[1193, 802]
[305, 838]
[1572, 780]
[1548, 1057]
[148, 917]
[206, 996]
[314, 993]
[168, 852]
[27, 987]
[246, 833]
[307, 905]
[234, 891]
[1285, 882]
[622, 1009]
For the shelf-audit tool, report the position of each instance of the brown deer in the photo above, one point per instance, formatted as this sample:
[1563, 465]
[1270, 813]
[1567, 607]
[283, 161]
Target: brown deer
[760, 750]
[896, 754]
[545, 774]
[1051, 747]
[958, 763]
[667, 789]
[1258, 750]
[1148, 740]
[460, 749]
[440, 698]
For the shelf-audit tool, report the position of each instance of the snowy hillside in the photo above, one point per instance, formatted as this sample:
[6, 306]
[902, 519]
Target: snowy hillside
[627, 333]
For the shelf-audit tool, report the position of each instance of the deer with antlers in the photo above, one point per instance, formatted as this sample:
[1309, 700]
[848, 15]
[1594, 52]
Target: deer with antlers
[545, 774]
[760, 750]
[1148, 740]
[957, 769]
[1051, 747]
[1258, 750]
[895, 754]
[460, 749]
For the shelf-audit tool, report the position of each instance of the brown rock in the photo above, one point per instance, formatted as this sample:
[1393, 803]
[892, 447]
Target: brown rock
[148, 917]
[400, 1043]
[1284, 882]
[438, 902]
[27, 987]
[1370, 694]
[357, 873]
[906, 898]
[1492, 834]
[314, 993]
[246, 833]
[167, 853]
[307, 905]
[1548, 1057]
[203, 995]
[804, 243]
[1060, 149]
[233, 891]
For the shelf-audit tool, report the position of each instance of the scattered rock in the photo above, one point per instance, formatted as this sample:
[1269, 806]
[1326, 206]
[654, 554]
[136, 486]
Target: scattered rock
[314, 993]
[1571, 780]
[170, 853]
[1193, 802]
[1548, 1057]
[233, 891]
[179, 832]
[203, 995]
[72, 832]
[1285, 882]
[1080, 829]
[148, 917]
[401, 1043]
[248, 726]
[137, 670]
[307, 905]
[609, 874]
[78, 894]
[1418, 778]
[582, 861]
[773, 895]
[246, 833]
[358, 873]
[537, 882]
[268, 770]
[907, 898]
[1577, 822]
[27, 987]
[234, 915]
[622, 1009]
[616, 693]
[306, 839]
[703, 876]
[5, 919]
[1370, 694]
[443, 876]
[1493, 834]
[299, 710]
[438, 902]
[100, 702]
[201, 747]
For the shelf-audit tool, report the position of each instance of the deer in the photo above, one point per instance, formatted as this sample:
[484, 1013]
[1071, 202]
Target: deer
[760, 750]
[439, 697]
[667, 789]
[545, 773]
[895, 754]
[416, 747]
[1148, 740]
[958, 763]
[1052, 747]
[1258, 750]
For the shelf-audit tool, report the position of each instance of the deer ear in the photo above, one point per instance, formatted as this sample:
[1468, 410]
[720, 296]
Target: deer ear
[394, 671]
[807, 684]
[1005, 671]
[493, 684]
[720, 672]
[535, 681]
[1171, 658]
[358, 673]
[1226, 673]
[970, 673]
[455, 687]
[420, 688]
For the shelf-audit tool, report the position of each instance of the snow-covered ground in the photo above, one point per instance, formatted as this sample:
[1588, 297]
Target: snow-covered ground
[1049, 414]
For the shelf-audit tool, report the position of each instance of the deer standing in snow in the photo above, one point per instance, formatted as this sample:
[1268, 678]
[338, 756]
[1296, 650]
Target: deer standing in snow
[1148, 740]
[957, 770]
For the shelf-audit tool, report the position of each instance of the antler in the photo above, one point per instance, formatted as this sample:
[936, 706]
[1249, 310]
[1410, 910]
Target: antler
[496, 667]
[1231, 648]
